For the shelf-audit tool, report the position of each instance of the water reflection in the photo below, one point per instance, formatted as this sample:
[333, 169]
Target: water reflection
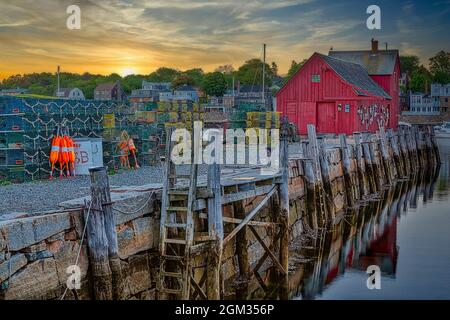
[366, 236]
[403, 232]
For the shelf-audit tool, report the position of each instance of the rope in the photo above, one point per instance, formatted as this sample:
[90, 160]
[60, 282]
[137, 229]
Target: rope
[8, 282]
[81, 244]
[138, 209]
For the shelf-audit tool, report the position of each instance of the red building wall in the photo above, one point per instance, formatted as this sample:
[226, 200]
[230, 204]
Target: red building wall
[390, 84]
[307, 102]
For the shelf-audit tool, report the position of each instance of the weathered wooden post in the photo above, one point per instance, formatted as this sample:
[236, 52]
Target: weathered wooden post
[435, 146]
[311, 196]
[347, 170]
[312, 207]
[404, 151]
[368, 165]
[361, 168]
[326, 180]
[377, 174]
[417, 145]
[379, 162]
[396, 152]
[102, 239]
[283, 191]
[242, 242]
[389, 176]
[215, 227]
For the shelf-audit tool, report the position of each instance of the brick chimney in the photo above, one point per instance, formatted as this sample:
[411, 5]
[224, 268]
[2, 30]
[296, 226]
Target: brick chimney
[374, 45]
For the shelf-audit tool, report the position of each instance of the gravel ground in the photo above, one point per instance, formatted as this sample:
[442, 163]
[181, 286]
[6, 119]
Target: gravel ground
[46, 195]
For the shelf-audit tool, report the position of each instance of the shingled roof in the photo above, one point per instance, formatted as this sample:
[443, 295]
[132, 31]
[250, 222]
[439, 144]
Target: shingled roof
[356, 75]
[380, 62]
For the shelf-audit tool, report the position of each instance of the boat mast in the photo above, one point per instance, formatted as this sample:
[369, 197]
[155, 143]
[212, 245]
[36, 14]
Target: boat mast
[264, 76]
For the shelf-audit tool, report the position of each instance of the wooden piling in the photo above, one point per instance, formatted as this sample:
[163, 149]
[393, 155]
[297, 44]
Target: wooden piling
[385, 156]
[241, 242]
[216, 232]
[311, 195]
[368, 165]
[283, 191]
[102, 240]
[361, 168]
[347, 170]
[435, 146]
[404, 151]
[400, 173]
[326, 180]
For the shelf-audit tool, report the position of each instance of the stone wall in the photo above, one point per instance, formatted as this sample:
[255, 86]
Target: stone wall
[36, 250]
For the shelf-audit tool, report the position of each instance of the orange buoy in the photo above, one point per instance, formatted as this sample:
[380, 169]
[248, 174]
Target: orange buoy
[54, 152]
[63, 158]
[133, 150]
[71, 154]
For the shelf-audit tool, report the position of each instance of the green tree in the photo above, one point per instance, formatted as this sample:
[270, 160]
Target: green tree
[215, 84]
[251, 72]
[274, 68]
[409, 64]
[420, 80]
[196, 75]
[163, 75]
[132, 82]
[181, 80]
[225, 69]
[440, 67]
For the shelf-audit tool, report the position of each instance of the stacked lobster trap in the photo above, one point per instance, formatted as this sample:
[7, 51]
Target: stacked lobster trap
[28, 126]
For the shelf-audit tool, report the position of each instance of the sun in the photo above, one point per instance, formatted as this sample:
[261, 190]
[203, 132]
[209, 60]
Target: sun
[127, 71]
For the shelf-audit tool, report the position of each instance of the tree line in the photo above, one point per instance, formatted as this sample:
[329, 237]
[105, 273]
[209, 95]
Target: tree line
[213, 83]
[218, 82]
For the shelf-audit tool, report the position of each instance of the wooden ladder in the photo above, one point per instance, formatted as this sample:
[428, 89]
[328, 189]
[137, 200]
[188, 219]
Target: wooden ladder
[176, 229]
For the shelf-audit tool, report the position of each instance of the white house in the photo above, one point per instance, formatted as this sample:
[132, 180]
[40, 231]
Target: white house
[165, 95]
[187, 93]
[440, 94]
[156, 86]
[70, 94]
[421, 104]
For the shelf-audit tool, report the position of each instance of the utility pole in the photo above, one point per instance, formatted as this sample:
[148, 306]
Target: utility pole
[233, 90]
[264, 76]
[57, 91]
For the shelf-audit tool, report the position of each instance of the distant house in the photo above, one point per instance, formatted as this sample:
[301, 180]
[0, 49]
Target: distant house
[140, 97]
[252, 94]
[185, 93]
[109, 92]
[421, 104]
[166, 95]
[440, 93]
[69, 93]
[13, 92]
[404, 80]
[156, 86]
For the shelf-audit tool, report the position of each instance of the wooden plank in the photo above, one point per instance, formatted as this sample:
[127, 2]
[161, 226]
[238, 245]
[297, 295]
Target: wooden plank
[249, 216]
[261, 224]
[271, 255]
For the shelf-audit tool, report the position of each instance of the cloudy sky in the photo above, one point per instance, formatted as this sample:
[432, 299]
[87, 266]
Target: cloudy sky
[138, 36]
